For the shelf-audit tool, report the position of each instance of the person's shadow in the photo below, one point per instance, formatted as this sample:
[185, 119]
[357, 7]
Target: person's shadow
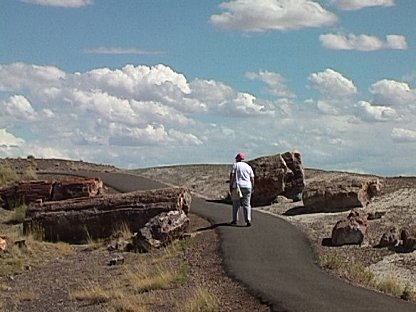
[216, 225]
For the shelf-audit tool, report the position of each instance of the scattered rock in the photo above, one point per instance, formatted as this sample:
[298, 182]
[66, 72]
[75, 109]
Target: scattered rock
[375, 215]
[350, 230]
[116, 260]
[408, 240]
[389, 239]
[3, 243]
[161, 230]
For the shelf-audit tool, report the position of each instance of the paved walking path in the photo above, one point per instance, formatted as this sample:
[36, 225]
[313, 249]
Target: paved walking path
[275, 260]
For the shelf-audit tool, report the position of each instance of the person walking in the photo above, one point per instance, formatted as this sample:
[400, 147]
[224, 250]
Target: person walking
[242, 176]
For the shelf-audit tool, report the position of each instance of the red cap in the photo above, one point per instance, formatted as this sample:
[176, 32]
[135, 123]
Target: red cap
[240, 156]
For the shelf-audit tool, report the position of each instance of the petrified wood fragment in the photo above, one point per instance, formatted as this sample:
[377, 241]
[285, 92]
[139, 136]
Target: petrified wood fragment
[77, 220]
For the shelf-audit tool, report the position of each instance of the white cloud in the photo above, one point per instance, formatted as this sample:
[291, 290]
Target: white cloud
[371, 112]
[61, 3]
[138, 116]
[23, 77]
[120, 51]
[332, 84]
[276, 83]
[9, 140]
[403, 135]
[221, 99]
[362, 42]
[18, 107]
[394, 93]
[360, 4]
[281, 15]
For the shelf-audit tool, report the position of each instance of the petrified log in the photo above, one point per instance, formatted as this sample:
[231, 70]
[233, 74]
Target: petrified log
[280, 174]
[77, 187]
[161, 230]
[341, 197]
[76, 220]
[26, 192]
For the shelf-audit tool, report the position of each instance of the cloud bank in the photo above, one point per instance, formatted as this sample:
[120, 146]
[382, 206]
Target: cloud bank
[138, 116]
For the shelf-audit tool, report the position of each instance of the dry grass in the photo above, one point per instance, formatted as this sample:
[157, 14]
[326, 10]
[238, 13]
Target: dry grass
[361, 275]
[26, 295]
[391, 285]
[201, 300]
[8, 175]
[331, 261]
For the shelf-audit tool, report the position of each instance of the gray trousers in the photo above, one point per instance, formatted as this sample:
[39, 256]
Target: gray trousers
[245, 203]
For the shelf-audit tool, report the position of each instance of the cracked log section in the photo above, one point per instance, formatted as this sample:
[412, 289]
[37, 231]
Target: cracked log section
[77, 220]
[26, 192]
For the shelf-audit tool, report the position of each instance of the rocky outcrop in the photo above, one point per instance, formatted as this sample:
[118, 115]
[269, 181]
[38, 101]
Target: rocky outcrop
[350, 230]
[160, 230]
[26, 192]
[280, 174]
[76, 220]
[339, 197]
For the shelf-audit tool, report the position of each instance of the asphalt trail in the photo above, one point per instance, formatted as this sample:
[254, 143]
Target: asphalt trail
[274, 260]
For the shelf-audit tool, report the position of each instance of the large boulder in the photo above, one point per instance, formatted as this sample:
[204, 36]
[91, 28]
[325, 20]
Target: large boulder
[339, 197]
[350, 230]
[280, 174]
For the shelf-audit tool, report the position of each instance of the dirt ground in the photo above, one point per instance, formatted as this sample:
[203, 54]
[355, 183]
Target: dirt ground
[61, 275]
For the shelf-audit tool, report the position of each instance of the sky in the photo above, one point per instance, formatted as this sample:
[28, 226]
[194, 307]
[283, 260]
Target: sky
[144, 83]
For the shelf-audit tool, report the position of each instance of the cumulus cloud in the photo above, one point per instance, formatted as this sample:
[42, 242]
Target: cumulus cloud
[332, 84]
[360, 4]
[130, 107]
[137, 116]
[276, 83]
[362, 42]
[9, 140]
[394, 93]
[61, 3]
[403, 135]
[280, 15]
[18, 107]
[371, 112]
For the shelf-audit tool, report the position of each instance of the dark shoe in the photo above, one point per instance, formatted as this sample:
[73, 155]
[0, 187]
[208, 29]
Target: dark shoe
[248, 223]
[233, 222]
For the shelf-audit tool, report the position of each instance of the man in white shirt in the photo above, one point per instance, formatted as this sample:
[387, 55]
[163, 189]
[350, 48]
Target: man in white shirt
[243, 176]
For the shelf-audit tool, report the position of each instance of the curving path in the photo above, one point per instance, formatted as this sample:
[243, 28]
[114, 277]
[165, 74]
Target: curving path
[274, 260]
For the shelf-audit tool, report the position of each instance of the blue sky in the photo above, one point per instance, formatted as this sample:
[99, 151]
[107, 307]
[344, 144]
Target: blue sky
[147, 83]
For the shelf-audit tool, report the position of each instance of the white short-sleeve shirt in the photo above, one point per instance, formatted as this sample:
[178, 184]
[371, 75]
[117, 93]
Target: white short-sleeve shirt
[242, 173]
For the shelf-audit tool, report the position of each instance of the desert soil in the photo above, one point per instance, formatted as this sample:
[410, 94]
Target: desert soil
[210, 181]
